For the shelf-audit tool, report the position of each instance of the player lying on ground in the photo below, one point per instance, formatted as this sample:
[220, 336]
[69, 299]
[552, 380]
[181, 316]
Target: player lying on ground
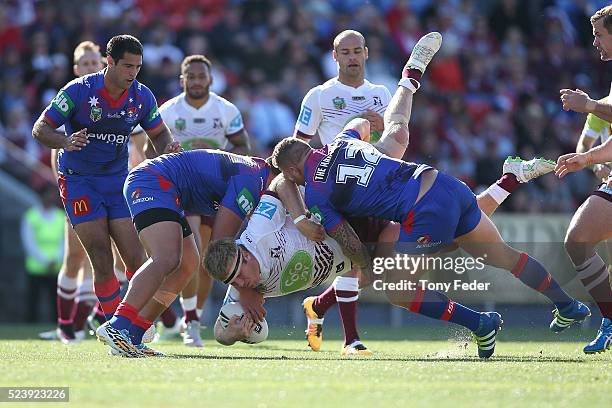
[350, 177]
[158, 193]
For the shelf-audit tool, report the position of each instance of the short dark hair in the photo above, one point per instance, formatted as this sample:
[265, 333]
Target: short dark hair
[289, 152]
[120, 44]
[218, 255]
[195, 58]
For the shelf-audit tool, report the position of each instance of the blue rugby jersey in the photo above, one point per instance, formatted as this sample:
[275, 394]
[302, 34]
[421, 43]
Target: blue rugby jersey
[85, 103]
[206, 179]
[350, 177]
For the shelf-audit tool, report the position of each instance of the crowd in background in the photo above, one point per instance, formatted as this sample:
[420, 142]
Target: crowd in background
[491, 91]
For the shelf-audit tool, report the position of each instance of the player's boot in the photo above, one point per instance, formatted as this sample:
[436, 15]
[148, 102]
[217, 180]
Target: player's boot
[48, 335]
[356, 348]
[148, 351]
[79, 335]
[168, 333]
[423, 51]
[603, 340]
[576, 312]
[149, 335]
[314, 330]
[191, 336]
[490, 324]
[119, 340]
[65, 337]
[526, 170]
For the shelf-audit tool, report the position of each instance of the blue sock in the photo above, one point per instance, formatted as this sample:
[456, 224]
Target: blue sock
[533, 274]
[438, 306]
[120, 322]
[136, 333]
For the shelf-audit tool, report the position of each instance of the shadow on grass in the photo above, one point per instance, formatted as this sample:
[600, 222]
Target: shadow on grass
[495, 359]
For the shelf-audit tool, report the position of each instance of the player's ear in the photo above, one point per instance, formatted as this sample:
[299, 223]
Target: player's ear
[334, 55]
[365, 52]
[109, 61]
[75, 70]
[182, 81]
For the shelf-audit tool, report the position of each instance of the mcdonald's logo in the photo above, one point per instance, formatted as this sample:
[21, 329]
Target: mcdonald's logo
[80, 206]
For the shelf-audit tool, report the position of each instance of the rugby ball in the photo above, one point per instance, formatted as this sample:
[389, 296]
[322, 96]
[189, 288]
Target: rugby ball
[259, 333]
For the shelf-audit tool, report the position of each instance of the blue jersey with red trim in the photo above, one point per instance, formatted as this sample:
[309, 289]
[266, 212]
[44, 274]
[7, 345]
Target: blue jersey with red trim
[206, 179]
[85, 103]
[350, 177]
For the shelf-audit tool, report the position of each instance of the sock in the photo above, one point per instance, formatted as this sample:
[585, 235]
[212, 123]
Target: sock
[109, 295]
[168, 317]
[199, 312]
[595, 277]
[66, 291]
[533, 274]
[497, 193]
[508, 182]
[412, 73]
[325, 300]
[347, 293]
[438, 306]
[85, 301]
[124, 317]
[129, 274]
[138, 329]
[189, 308]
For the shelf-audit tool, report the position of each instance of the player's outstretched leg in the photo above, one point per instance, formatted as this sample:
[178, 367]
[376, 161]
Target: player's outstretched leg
[395, 138]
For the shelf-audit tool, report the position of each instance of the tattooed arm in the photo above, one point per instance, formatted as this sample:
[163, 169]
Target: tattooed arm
[352, 246]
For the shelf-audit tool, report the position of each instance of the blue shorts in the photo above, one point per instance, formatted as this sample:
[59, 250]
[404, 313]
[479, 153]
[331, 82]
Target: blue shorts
[146, 188]
[87, 198]
[448, 210]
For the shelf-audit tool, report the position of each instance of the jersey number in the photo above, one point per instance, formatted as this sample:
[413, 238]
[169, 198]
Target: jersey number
[370, 155]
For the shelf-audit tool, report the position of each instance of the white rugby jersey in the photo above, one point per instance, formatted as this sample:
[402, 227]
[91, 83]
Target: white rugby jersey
[288, 261]
[211, 123]
[327, 108]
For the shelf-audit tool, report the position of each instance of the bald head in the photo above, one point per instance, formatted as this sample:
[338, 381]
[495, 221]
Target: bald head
[348, 35]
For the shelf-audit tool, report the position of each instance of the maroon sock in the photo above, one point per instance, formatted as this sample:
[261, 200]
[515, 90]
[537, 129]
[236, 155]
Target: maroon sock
[191, 315]
[595, 277]
[412, 73]
[508, 182]
[168, 318]
[65, 305]
[83, 309]
[324, 301]
[348, 313]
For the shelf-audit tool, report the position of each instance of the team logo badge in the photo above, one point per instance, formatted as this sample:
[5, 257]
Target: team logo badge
[132, 114]
[377, 101]
[217, 123]
[339, 103]
[180, 124]
[95, 114]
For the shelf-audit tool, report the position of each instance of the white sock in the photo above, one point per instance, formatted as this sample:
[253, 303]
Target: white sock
[498, 193]
[199, 312]
[86, 292]
[189, 303]
[66, 283]
[409, 83]
[347, 284]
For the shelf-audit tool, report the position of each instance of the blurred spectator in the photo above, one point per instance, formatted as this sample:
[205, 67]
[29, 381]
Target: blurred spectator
[492, 90]
[42, 236]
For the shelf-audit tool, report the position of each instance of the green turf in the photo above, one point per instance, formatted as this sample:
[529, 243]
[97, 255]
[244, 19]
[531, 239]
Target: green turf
[282, 373]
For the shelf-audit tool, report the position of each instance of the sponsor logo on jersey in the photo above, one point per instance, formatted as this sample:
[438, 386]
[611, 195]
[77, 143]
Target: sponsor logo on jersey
[154, 113]
[95, 113]
[236, 123]
[63, 104]
[80, 206]
[217, 123]
[199, 120]
[245, 201]
[305, 115]
[135, 194]
[339, 103]
[110, 138]
[358, 98]
[180, 124]
[115, 115]
[298, 272]
[425, 242]
[322, 170]
[266, 209]
[142, 200]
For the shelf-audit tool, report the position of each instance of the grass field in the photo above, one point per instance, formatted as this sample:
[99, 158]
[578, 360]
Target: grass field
[407, 371]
